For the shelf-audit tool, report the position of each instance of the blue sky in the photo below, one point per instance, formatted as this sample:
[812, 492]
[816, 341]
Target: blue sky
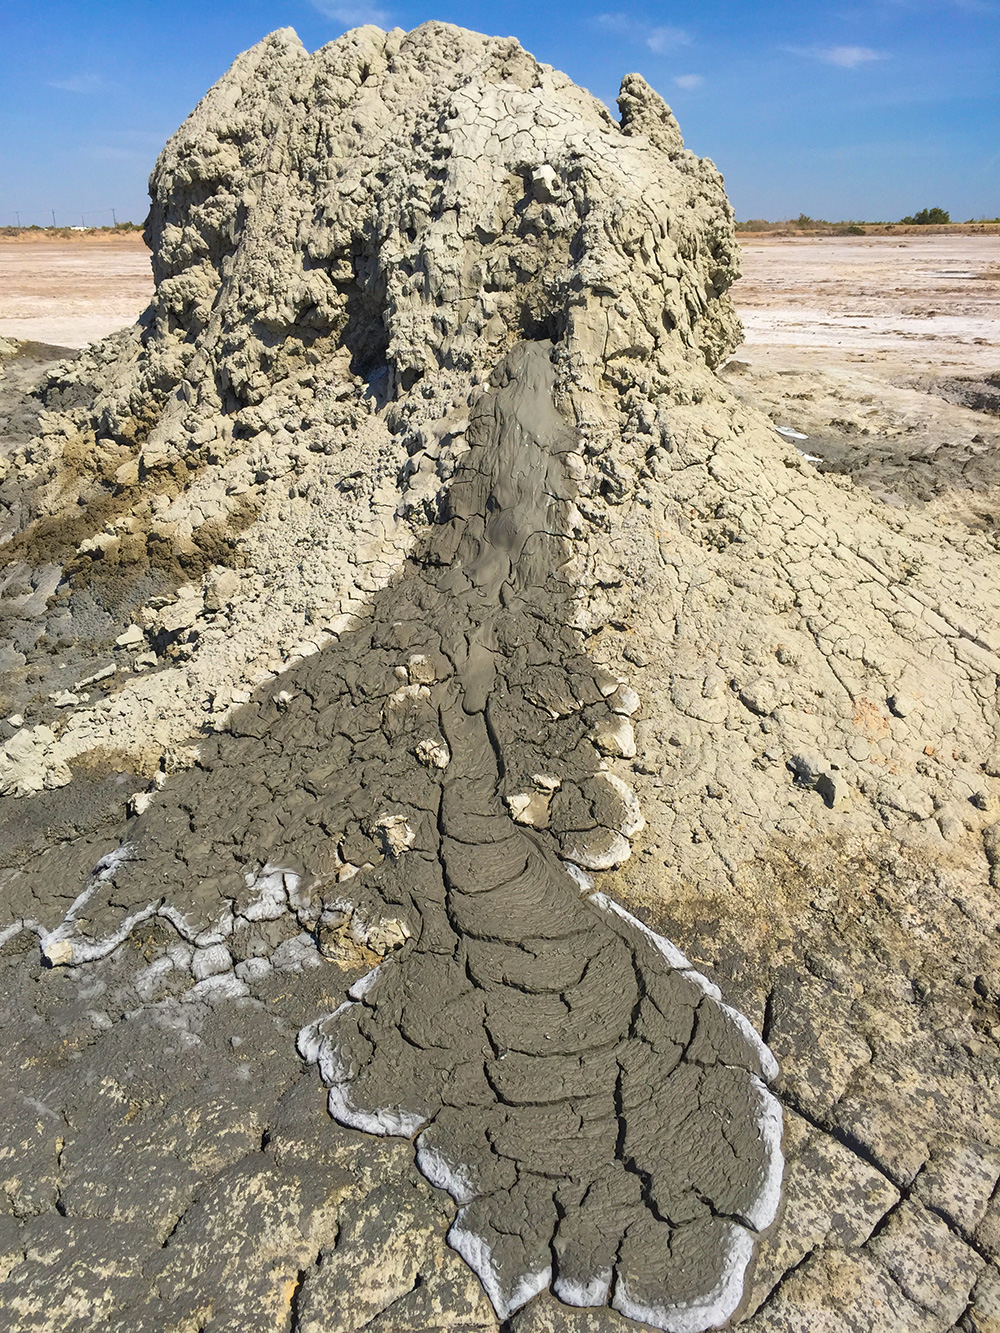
[857, 109]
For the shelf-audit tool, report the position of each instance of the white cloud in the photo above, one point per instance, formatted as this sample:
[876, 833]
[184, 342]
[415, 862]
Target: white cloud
[689, 81]
[352, 15]
[619, 24]
[659, 40]
[844, 57]
[78, 83]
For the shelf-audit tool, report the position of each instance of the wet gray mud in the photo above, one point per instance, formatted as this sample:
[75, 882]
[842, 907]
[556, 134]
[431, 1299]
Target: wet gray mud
[429, 791]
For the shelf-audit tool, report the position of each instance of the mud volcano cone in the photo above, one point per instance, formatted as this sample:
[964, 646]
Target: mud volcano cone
[429, 674]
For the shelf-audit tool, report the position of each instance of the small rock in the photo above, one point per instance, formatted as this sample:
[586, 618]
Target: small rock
[421, 670]
[616, 737]
[624, 701]
[103, 674]
[545, 184]
[140, 802]
[759, 695]
[180, 614]
[64, 699]
[606, 682]
[221, 589]
[395, 834]
[832, 787]
[950, 825]
[530, 808]
[59, 953]
[808, 767]
[211, 962]
[433, 754]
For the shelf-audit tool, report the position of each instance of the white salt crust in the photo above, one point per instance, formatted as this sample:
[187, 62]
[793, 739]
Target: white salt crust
[710, 1312]
[478, 1255]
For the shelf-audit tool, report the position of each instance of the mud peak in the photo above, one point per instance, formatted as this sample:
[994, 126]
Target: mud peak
[346, 244]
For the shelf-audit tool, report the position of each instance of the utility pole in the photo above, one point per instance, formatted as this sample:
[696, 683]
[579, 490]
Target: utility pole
[53, 217]
[18, 216]
[114, 218]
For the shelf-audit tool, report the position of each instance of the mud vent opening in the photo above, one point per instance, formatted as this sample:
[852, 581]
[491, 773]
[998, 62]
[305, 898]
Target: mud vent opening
[365, 334]
[537, 327]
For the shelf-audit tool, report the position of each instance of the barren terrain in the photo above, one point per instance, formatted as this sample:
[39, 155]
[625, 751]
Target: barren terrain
[885, 353]
[917, 303]
[69, 292]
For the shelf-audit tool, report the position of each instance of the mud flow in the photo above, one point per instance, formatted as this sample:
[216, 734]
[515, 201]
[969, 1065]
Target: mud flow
[428, 795]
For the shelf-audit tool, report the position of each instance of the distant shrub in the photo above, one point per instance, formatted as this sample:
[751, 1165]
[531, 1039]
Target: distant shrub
[854, 229]
[927, 217]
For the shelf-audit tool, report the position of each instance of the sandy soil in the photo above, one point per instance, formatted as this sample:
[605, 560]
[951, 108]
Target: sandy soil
[71, 292]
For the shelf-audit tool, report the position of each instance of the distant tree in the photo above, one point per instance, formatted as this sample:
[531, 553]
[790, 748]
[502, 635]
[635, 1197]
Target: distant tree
[926, 217]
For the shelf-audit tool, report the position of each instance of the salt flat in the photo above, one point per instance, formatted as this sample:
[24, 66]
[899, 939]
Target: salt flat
[913, 302]
[72, 292]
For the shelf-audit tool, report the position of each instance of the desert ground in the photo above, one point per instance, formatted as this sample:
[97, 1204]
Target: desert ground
[885, 353]
[70, 292]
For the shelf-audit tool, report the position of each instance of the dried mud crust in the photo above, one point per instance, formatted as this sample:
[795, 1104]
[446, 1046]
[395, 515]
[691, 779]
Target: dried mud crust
[597, 1112]
[911, 440]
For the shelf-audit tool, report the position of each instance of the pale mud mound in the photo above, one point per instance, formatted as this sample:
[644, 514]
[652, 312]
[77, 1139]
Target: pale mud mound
[343, 245]
[417, 486]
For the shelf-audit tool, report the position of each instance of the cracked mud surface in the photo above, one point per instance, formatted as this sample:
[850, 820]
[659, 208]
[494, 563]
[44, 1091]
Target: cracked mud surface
[315, 699]
[584, 1096]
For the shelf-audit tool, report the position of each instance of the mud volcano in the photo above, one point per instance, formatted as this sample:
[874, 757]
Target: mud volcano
[415, 654]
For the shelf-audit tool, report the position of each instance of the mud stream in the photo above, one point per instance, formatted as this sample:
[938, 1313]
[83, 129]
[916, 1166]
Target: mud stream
[429, 790]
